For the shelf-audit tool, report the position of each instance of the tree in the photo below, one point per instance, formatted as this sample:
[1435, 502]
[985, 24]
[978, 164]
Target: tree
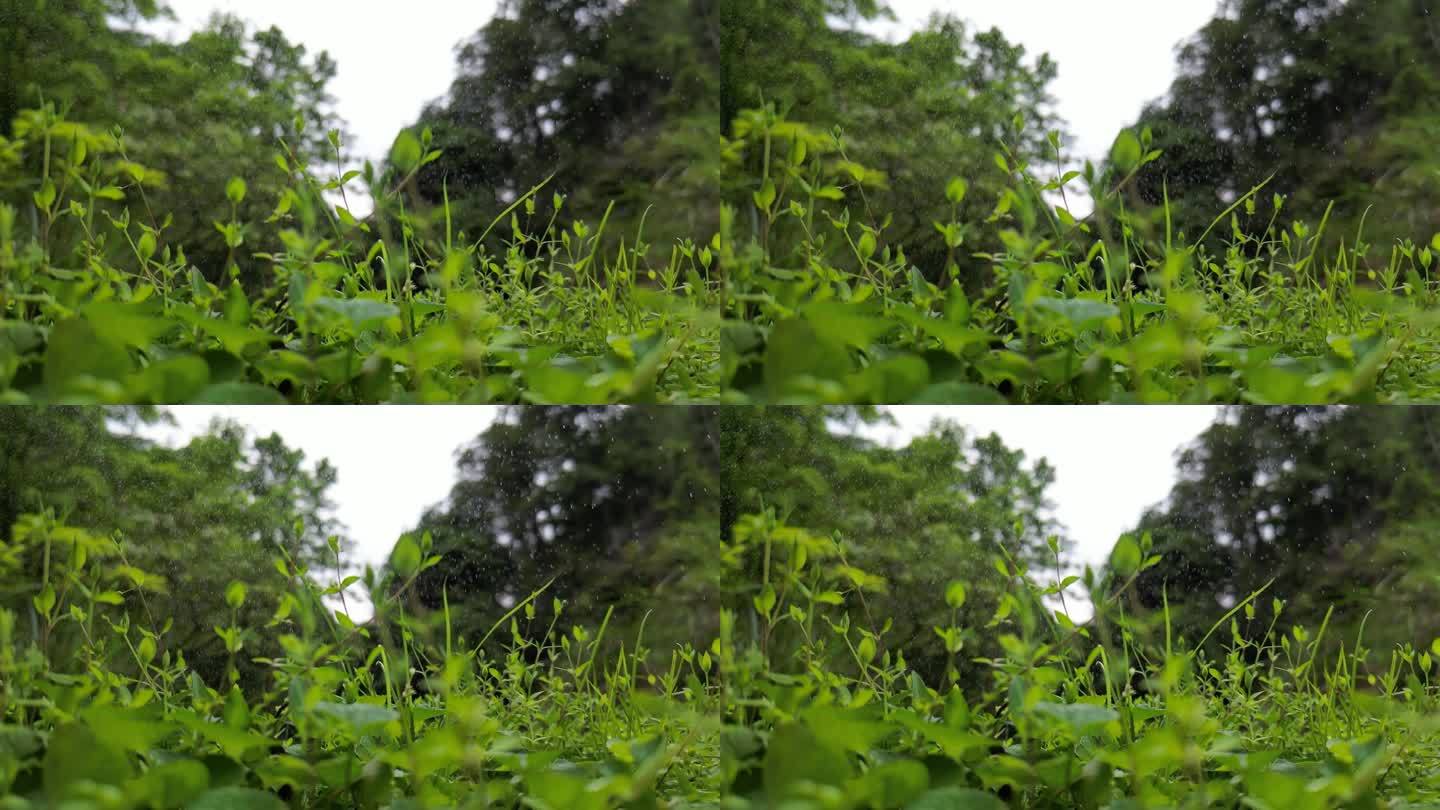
[1335, 99]
[615, 98]
[939, 104]
[198, 112]
[218, 509]
[939, 509]
[611, 506]
[1330, 505]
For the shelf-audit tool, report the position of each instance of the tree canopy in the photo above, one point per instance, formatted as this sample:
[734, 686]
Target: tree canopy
[1335, 99]
[615, 99]
[939, 104]
[195, 113]
[612, 507]
[221, 507]
[1334, 506]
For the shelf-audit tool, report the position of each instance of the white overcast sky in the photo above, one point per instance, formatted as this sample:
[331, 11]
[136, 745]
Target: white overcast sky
[392, 461]
[1111, 462]
[393, 57]
[1113, 56]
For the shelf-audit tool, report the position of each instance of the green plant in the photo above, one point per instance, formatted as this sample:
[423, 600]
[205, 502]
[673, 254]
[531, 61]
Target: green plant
[1114, 307]
[1116, 712]
[406, 305]
[394, 712]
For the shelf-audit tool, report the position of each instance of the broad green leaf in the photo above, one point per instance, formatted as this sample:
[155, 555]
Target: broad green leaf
[1126, 153]
[405, 559]
[360, 718]
[955, 594]
[956, 798]
[77, 353]
[406, 153]
[795, 756]
[237, 798]
[74, 755]
[1082, 718]
[1125, 557]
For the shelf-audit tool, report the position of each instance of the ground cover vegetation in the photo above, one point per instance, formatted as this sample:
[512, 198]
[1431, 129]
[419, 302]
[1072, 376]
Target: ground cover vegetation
[181, 223]
[175, 632]
[903, 222]
[846, 686]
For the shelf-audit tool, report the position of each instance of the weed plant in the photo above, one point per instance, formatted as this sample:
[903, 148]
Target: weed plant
[99, 710]
[1035, 304]
[1038, 710]
[400, 306]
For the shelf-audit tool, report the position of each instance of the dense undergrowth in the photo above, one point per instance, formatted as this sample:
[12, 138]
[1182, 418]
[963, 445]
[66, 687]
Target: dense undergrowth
[1036, 305]
[98, 708]
[1039, 711]
[401, 306]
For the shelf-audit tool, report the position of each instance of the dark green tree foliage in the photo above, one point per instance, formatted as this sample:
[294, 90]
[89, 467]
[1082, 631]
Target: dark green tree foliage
[938, 509]
[937, 105]
[215, 510]
[616, 98]
[1336, 505]
[616, 505]
[1336, 99]
[196, 112]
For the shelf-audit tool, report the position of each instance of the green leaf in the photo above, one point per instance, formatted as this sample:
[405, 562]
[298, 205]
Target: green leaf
[795, 351]
[893, 784]
[45, 197]
[179, 379]
[866, 246]
[795, 757]
[1125, 558]
[1126, 153]
[77, 353]
[233, 393]
[765, 601]
[44, 601]
[406, 153]
[955, 594]
[237, 798]
[361, 313]
[955, 798]
[765, 197]
[955, 190]
[235, 190]
[1082, 718]
[235, 594]
[74, 755]
[360, 718]
[1081, 313]
[405, 559]
[173, 784]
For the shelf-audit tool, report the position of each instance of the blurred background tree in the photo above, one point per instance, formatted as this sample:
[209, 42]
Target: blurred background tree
[216, 509]
[1336, 505]
[200, 111]
[1337, 99]
[935, 105]
[616, 99]
[616, 507]
[937, 509]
